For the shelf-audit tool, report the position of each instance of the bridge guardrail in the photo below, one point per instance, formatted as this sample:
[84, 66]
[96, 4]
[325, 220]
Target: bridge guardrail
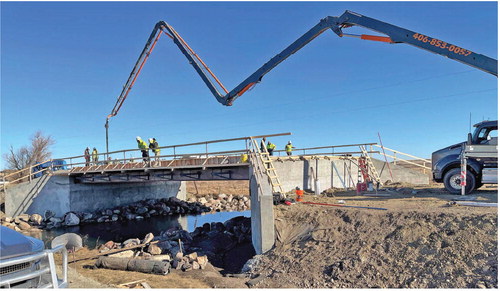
[425, 166]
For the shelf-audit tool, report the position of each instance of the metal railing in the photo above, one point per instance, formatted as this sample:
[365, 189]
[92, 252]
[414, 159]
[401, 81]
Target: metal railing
[118, 160]
[46, 275]
[28, 173]
[425, 165]
[333, 150]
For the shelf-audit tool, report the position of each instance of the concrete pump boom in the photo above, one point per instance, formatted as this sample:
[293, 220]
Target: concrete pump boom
[394, 34]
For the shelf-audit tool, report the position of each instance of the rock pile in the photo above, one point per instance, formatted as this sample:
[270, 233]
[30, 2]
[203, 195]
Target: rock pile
[189, 262]
[212, 242]
[23, 222]
[223, 202]
[135, 211]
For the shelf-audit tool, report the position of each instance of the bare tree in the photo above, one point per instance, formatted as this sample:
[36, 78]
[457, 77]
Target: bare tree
[37, 152]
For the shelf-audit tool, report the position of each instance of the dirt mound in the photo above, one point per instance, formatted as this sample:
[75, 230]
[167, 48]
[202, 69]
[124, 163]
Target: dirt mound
[194, 188]
[325, 247]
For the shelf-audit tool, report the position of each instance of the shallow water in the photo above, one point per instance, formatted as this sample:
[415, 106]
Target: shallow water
[98, 233]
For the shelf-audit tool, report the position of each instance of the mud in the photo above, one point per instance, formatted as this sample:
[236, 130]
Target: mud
[438, 246]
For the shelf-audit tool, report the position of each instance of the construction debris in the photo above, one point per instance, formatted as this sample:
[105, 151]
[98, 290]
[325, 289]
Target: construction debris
[474, 204]
[342, 205]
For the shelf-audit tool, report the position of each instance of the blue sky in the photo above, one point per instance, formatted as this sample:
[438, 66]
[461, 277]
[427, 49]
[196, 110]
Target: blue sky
[63, 65]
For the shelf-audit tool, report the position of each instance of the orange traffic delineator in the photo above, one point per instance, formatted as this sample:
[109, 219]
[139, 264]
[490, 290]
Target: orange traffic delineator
[299, 193]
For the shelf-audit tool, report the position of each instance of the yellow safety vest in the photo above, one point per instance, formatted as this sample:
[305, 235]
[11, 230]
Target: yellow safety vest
[271, 146]
[142, 145]
[288, 148]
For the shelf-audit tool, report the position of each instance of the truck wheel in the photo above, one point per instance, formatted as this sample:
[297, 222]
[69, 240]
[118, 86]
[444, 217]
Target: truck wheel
[452, 181]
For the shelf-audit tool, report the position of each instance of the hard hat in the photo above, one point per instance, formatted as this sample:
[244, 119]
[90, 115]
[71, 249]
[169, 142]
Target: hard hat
[289, 141]
[138, 138]
[151, 139]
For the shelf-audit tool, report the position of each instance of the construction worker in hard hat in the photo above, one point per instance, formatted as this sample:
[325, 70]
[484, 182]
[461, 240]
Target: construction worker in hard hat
[153, 145]
[270, 147]
[95, 156]
[288, 148]
[86, 154]
[143, 147]
[263, 145]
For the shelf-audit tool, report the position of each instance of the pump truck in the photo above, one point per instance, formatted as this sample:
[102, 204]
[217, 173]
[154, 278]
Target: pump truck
[472, 163]
[348, 19]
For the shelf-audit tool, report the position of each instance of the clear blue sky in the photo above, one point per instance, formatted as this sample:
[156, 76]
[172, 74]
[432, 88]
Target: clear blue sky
[63, 66]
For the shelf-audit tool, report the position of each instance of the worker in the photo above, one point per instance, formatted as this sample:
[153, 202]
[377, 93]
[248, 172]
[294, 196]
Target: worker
[95, 156]
[288, 148]
[86, 153]
[263, 145]
[270, 147]
[153, 145]
[144, 148]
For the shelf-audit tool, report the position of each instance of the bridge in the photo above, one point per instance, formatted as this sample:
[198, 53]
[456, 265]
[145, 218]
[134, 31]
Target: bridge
[122, 177]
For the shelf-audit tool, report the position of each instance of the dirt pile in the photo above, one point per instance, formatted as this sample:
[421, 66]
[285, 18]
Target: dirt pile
[239, 187]
[325, 247]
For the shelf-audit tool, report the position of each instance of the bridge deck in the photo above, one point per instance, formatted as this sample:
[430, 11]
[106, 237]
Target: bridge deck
[186, 163]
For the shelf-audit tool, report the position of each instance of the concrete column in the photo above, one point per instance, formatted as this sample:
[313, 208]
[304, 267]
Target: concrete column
[263, 235]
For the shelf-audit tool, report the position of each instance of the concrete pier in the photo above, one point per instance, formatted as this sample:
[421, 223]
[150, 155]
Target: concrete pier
[262, 213]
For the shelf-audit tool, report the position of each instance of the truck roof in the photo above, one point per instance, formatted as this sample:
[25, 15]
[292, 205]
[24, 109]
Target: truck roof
[487, 123]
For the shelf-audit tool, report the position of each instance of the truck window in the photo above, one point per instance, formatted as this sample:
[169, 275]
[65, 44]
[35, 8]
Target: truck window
[488, 136]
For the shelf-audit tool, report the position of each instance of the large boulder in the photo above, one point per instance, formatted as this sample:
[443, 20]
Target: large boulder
[71, 219]
[142, 210]
[49, 214]
[124, 254]
[24, 225]
[131, 242]
[36, 219]
[71, 241]
[154, 250]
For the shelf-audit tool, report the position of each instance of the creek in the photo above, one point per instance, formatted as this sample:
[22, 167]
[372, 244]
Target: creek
[119, 231]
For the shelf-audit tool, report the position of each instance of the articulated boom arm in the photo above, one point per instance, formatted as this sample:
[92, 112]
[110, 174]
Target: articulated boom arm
[395, 35]
[336, 24]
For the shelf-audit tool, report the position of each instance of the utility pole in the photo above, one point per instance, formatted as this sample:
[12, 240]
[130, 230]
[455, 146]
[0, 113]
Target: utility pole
[107, 145]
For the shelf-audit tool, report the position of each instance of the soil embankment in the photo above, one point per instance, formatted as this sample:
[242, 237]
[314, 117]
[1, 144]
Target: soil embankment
[419, 242]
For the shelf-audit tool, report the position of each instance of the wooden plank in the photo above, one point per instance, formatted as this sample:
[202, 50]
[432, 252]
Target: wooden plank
[114, 251]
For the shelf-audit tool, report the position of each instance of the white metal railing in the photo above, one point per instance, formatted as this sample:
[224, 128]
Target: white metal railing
[425, 165]
[46, 274]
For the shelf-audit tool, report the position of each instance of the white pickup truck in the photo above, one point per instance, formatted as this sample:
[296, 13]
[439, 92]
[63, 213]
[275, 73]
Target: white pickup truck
[25, 263]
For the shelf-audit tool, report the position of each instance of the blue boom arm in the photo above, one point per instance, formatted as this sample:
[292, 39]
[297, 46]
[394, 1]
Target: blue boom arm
[394, 34]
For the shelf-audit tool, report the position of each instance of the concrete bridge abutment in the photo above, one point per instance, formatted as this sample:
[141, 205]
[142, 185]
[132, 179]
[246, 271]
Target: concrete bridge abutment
[62, 194]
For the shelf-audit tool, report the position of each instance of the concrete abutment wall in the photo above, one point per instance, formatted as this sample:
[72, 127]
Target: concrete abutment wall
[303, 172]
[61, 194]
